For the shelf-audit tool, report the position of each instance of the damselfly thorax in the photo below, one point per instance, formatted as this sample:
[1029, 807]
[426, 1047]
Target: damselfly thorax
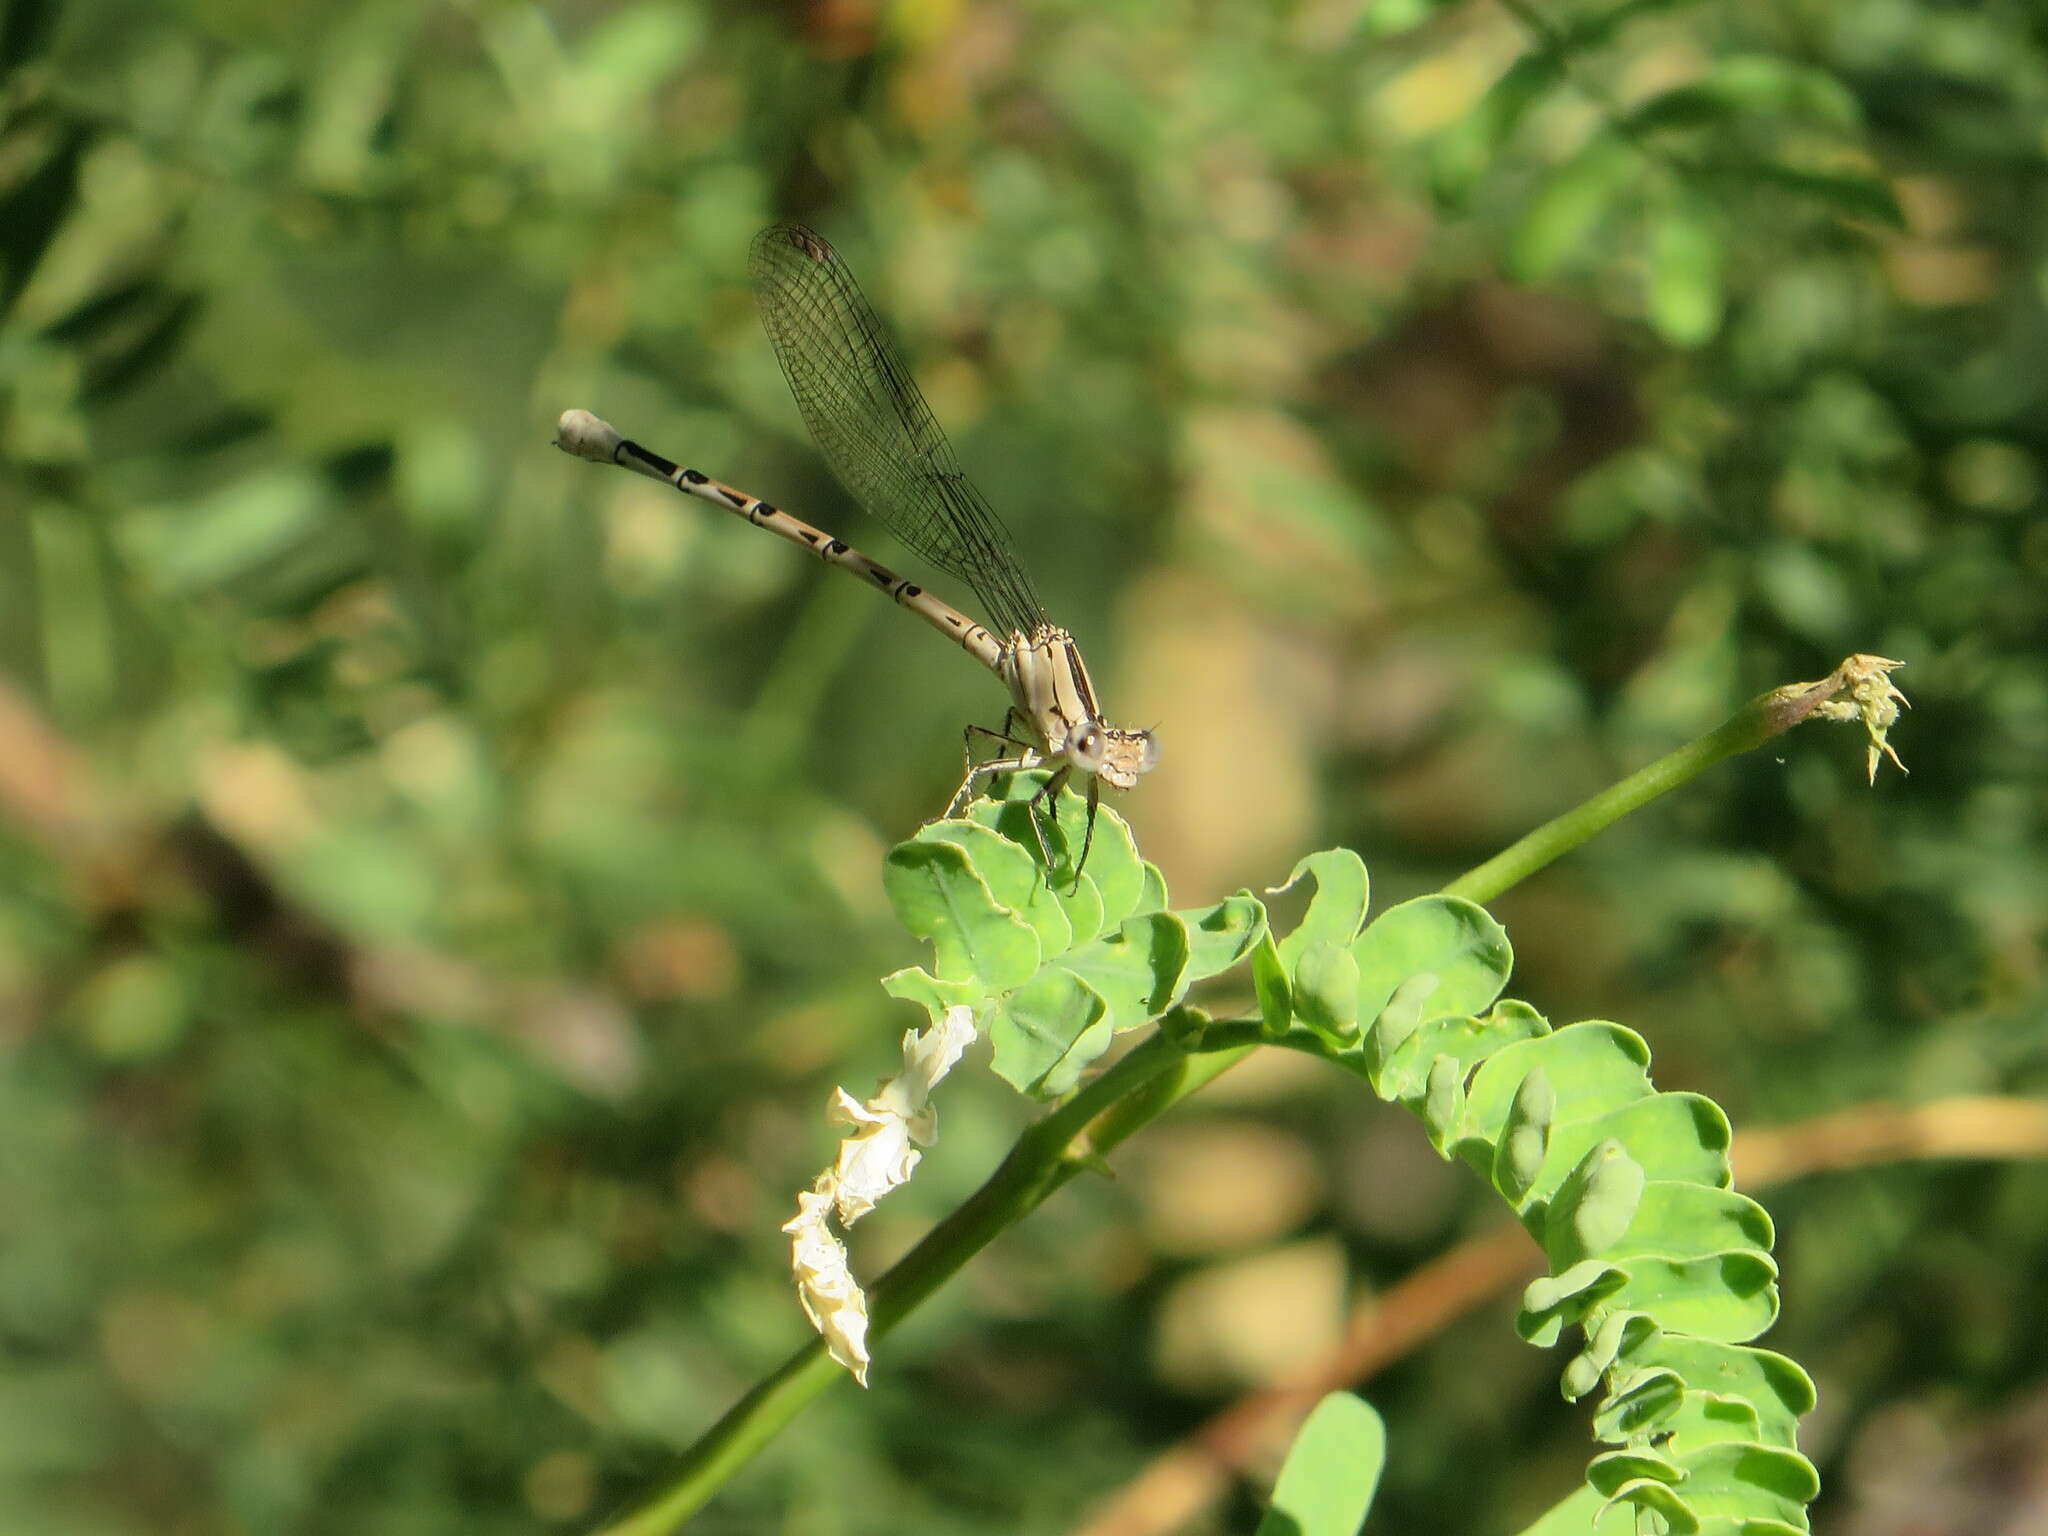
[1052, 696]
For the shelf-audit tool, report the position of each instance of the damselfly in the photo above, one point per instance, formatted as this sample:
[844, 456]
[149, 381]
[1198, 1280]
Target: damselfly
[871, 423]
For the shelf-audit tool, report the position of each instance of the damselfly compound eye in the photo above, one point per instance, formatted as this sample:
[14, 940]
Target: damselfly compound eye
[1086, 745]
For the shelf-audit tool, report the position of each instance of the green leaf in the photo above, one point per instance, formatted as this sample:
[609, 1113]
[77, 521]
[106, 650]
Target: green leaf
[1551, 1303]
[1561, 217]
[1082, 903]
[1642, 1403]
[111, 373]
[1692, 105]
[1048, 1031]
[1525, 1137]
[939, 895]
[1682, 1219]
[1655, 1505]
[103, 311]
[120, 334]
[1460, 1037]
[1675, 1136]
[915, 985]
[1397, 1022]
[1749, 1482]
[1152, 897]
[1776, 1387]
[1222, 935]
[1013, 878]
[1593, 1065]
[1021, 816]
[1576, 1515]
[1611, 1469]
[1113, 864]
[236, 531]
[1336, 911]
[1741, 88]
[1855, 196]
[635, 49]
[1272, 988]
[1326, 990]
[1139, 970]
[1727, 1297]
[1685, 300]
[1707, 1418]
[1593, 1208]
[1443, 1103]
[1332, 1470]
[1465, 151]
[1080, 900]
[1114, 881]
[1453, 939]
[1605, 1345]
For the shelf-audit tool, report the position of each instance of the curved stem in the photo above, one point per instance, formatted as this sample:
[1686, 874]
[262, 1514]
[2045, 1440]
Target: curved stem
[1750, 727]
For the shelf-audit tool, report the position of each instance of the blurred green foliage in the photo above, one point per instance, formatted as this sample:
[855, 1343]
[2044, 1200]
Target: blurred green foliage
[439, 882]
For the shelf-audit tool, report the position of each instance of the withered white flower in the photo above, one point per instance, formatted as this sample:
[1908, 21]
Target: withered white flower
[880, 1154]
[831, 1299]
[890, 1127]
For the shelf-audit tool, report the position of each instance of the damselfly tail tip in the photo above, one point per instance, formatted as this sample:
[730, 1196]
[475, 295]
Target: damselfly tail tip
[588, 437]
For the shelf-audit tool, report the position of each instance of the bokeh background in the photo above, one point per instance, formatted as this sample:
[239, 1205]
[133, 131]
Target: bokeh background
[439, 880]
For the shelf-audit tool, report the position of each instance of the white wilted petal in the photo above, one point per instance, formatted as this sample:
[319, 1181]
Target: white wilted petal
[872, 1161]
[880, 1154]
[928, 1055]
[882, 1151]
[835, 1304]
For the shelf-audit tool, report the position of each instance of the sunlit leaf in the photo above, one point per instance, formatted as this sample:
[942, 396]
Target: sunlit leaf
[1456, 942]
[1558, 223]
[1048, 1031]
[1685, 298]
[1332, 1470]
[939, 895]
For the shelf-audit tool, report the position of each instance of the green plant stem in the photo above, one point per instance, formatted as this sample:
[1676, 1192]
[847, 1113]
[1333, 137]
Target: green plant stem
[1750, 727]
[1140, 1087]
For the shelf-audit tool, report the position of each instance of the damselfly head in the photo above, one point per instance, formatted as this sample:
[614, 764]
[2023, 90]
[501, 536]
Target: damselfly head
[1114, 756]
